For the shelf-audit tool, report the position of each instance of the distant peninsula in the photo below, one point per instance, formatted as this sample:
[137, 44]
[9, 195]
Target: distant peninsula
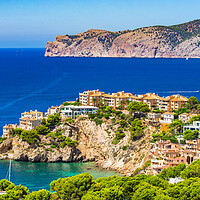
[177, 41]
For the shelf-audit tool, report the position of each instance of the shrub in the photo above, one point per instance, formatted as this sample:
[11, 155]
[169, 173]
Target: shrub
[125, 147]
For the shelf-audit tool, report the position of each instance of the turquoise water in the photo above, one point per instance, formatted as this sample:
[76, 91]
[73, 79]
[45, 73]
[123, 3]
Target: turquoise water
[36, 176]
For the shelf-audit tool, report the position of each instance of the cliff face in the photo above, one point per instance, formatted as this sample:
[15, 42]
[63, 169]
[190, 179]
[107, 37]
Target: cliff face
[177, 41]
[94, 143]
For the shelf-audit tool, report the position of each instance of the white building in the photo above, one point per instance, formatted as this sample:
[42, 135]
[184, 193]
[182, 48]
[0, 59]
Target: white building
[168, 118]
[52, 110]
[29, 120]
[192, 127]
[8, 128]
[72, 111]
[36, 114]
[154, 117]
[185, 117]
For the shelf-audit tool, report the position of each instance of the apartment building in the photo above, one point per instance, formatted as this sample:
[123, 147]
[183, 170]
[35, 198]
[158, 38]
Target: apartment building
[151, 99]
[36, 114]
[91, 97]
[28, 121]
[177, 101]
[94, 97]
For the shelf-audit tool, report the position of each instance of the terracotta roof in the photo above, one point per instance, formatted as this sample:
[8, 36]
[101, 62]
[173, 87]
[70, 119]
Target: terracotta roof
[184, 114]
[95, 95]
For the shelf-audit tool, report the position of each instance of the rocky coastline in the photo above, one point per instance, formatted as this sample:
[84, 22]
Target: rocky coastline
[178, 41]
[94, 143]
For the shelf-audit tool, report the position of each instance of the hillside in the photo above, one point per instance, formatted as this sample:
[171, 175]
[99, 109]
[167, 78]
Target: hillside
[178, 41]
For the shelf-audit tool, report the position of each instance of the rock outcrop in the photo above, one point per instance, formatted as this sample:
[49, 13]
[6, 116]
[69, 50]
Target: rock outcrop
[94, 143]
[178, 41]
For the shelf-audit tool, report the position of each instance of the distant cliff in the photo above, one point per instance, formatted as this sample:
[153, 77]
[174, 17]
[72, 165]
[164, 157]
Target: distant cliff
[178, 41]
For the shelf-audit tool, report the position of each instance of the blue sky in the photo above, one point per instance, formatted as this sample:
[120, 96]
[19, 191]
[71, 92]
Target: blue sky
[31, 23]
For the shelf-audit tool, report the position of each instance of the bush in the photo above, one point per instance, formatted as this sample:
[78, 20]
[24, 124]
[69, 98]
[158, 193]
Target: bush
[118, 137]
[69, 142]
[191, 135]
[29, 136]
[125, 147]
[136, 129]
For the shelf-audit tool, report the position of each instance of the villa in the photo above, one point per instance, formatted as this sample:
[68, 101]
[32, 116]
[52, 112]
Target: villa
[72, 111]
[154, 117]
[52, 110]
[8, 128]
[168, 118]
[192, 127]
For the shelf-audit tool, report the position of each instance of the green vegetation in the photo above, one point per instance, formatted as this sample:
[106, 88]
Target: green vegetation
[76, 103]
[138, 107]
[191, 135]
[118, 136]
[194, 118]
[176, 127]
[2, 139]
[125, 147]
[136, 129]
[105, 112]
[69, 142]
[13, 192]
[164, 136]
[141, 186]
[39, 195]
[56, 139]
[172, 172]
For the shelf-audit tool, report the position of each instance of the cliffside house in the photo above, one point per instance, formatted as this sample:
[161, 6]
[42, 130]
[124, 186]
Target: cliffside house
[52, 110]
[185, 117]
[192, 127]
[72, 111]
[29, 120]
[154, 117]
[168, 118]
[8, 128]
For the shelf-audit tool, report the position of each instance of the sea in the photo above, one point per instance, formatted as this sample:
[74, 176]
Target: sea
[38, 176]
[30, 81]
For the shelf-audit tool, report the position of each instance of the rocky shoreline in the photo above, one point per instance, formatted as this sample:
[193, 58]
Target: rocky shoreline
[178, 41]
[94, 143]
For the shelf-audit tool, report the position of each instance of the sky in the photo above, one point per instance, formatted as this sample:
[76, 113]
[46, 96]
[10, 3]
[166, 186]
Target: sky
[31, 23]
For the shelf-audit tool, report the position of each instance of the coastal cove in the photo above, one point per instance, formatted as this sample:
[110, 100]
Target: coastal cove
[31, 81]
[36, 176]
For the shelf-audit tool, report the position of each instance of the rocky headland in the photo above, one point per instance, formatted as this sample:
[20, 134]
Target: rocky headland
[93, 143]
[178, 41]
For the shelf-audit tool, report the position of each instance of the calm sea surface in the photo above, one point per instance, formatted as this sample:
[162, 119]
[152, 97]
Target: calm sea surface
[30, 81]
[37, 176]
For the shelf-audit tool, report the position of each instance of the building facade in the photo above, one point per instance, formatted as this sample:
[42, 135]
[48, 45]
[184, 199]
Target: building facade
[72, 111]
[96, 97]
